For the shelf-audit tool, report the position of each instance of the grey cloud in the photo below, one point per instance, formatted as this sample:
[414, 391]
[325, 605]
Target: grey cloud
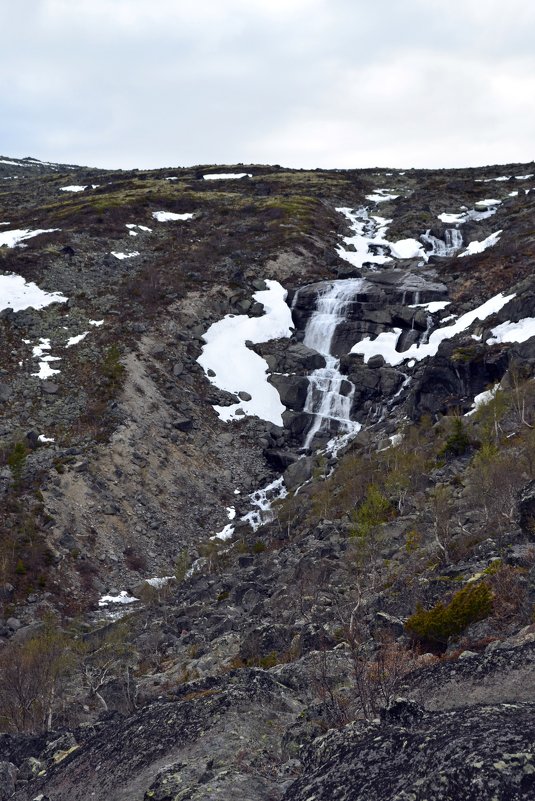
[306, 83]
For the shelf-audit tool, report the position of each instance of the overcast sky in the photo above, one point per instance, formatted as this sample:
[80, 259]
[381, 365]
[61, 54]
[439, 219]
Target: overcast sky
[302, 83]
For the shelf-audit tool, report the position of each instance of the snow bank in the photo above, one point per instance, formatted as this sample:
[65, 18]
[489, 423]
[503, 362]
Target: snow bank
[236, 367]
[167, 216]
[121, 598]
[225, 176]
[513, 332]
[122, 256]
[385, 344]
[406, 249]
[11, 239]
[380, 196]
[16, 294]
[479, 247]
[482, 399]
[76, 339]
[368, 231]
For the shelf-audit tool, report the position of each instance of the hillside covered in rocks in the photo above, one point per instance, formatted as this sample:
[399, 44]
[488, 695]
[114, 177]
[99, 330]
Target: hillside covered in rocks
[267, 483]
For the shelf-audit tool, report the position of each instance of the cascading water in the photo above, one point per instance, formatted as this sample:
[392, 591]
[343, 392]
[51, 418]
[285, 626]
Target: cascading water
[444, 248]
[330, 394]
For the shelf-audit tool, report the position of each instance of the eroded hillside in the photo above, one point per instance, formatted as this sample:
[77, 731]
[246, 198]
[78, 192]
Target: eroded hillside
[393, 553]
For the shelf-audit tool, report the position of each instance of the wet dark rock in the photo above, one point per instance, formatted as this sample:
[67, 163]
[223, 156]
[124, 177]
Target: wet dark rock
[298, 472]
[292, 390]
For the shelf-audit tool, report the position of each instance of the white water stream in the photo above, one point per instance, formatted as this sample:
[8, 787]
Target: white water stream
[330, 394]
[444, 248]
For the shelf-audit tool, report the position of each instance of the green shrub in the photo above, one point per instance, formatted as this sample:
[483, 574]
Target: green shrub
[16, 461]
[374, 510]
[458, 441]
[443, 621]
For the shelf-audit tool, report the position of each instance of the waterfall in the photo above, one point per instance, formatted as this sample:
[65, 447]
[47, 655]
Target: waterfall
[330, 394]
[444, 248]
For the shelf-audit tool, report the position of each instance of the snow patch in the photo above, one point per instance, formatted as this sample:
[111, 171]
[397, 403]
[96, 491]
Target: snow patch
[226, 176]
[122, 256]
[432, 307]
[42, 438]
[76, 339]
[96, 322]
[236, 367]
[483, 398]
[16, 294]
[381, 195]
[385, 343]
[367, 244]
[72, 188]
[406, 249]
[122, 598]
[11, 239]
[167, 216]
[479, 247]
[513, 332]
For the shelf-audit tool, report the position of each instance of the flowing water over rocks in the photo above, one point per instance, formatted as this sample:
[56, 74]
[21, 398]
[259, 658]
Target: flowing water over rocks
[330, 394]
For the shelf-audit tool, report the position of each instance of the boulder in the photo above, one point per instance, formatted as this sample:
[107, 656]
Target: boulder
[292, 389]
[299, 472]
[5, 392]
[8, 777]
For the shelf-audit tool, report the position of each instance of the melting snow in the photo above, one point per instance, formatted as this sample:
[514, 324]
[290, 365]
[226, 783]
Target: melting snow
[131, 227]
[482, 399]
[385, 344]
[72, 188]
[433, 306]
[121, 598]
[479, 247]
[125, 255]
[38, 352]
[236, 367]
[513, 332]
[262, 500]
[11, 239]
[524, 177]
[406, 249]
[42, 438]
[75, 340]
[96, 322]
[220, 176]
[225, 533]
[369, 232]
[381, 195]
[158, 582]
[482, 211]
[16, 294]
[166, 216]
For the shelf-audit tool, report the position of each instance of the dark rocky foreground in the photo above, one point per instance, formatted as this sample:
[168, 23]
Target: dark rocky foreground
[269, 666]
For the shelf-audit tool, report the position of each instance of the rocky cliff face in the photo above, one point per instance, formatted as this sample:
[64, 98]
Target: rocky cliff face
[279, 487]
